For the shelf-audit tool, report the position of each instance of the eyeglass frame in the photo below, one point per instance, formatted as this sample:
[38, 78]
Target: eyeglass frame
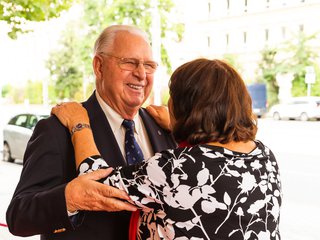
[135, 61]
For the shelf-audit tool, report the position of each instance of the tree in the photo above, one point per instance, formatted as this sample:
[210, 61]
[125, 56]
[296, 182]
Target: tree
[268, 70]
[65, 65]
[303, 54]
[32, 92]
[291, 57]
[17, 13]
[6, 89]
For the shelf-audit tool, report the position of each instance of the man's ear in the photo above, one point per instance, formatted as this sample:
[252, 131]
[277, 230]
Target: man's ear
[97, 66]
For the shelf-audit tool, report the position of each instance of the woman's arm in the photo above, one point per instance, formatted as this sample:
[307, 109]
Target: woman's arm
[75, 117]
[143, 182]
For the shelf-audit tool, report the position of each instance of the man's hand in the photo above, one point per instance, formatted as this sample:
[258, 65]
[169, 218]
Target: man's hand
[161, 115]
[85, 193]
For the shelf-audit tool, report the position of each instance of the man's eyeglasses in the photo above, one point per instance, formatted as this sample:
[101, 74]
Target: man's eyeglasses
[131, 64]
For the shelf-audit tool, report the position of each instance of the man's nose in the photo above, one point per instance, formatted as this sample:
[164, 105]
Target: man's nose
[140, 72]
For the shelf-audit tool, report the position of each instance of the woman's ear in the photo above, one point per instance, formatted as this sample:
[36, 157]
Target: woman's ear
[97, 66]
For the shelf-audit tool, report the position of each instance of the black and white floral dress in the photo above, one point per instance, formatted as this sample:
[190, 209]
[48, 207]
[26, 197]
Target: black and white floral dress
[202, 192]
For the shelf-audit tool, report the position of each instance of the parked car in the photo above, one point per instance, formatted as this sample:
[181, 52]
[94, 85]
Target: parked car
[17, 133]
[301, 108]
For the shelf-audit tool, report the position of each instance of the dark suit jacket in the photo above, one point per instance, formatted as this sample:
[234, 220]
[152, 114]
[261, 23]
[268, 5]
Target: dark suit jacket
[38, 204]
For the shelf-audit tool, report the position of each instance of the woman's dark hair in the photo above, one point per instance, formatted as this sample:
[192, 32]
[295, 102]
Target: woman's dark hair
[210, 103]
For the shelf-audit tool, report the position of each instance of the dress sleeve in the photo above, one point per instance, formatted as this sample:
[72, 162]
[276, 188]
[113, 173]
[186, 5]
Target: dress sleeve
[146, 182]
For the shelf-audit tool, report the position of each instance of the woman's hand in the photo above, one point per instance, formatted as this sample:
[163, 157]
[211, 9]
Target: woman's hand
[70, 114]
[161, 115]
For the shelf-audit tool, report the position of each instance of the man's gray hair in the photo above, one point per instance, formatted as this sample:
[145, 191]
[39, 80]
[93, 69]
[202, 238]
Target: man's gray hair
[106, 38]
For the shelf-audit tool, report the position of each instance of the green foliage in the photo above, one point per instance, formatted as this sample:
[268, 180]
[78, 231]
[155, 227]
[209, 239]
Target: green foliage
[303, 55]
[17, 94]
[269, 68]
[6, 89]
[16, 13]
[315, 88]
[232, 59]
[65, 65]
[291, 57]
[33, 91]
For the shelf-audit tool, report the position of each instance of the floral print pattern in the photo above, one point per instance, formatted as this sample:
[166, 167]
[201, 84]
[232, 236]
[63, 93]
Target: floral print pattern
[202, 192]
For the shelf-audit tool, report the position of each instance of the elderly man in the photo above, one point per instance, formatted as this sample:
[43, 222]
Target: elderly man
[49, 199]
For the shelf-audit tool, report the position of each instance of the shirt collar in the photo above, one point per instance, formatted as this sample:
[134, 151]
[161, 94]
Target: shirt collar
[114, 118]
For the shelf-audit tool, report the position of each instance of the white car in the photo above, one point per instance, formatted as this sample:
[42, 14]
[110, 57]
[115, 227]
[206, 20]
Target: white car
[17, 133]
[301, 108]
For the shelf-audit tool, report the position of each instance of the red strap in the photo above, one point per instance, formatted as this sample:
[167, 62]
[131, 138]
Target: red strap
[3, 225]
[133, 227]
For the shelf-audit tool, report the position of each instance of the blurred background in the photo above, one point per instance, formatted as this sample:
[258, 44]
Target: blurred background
[46, 49]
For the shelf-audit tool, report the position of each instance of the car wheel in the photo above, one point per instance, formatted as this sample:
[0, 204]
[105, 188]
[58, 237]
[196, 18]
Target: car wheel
[304, 117]
[7, 153]
[276, 116]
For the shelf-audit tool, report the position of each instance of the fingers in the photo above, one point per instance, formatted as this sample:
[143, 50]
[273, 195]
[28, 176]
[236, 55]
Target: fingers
[153, 111]
[98, 174]
[115, 205]
[160, 115]
[85, 193]
[107, 191]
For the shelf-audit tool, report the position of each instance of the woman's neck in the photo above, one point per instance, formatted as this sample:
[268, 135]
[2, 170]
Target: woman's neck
[244, 147]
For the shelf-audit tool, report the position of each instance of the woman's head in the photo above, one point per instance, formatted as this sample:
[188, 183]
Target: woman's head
[210, 103]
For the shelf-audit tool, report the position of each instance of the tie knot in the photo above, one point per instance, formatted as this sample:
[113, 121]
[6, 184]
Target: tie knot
[128, 124]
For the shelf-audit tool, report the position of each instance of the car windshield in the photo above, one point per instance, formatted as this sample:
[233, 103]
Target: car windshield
[43, 116]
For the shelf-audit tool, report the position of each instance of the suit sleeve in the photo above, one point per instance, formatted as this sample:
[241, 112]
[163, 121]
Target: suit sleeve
[38, 204]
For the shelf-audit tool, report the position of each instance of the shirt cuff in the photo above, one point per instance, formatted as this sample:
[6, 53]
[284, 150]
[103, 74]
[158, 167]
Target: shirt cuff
[70, 214]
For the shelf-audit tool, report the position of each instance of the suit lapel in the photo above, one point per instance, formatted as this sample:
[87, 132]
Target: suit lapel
[159, 138]
[103, 135]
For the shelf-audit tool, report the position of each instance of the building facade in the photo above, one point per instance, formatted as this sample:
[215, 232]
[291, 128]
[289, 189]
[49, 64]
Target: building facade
[242, 28]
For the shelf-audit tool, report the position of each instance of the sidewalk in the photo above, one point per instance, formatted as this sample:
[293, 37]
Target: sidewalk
[9, 173]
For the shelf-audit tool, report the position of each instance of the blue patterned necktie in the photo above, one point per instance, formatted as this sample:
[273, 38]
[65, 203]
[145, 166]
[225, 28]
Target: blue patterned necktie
[133, 151]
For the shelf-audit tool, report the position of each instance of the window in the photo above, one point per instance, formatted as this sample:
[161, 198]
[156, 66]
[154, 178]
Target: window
[266, 34]
[228, 4]
[20, 120]
[32, 121]
[244, 37]
[301, 28]
[227, 40]
[284, 32]
[209, 41]
[245, 5]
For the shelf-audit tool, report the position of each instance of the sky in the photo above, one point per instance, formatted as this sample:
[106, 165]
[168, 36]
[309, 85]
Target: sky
[24, 59]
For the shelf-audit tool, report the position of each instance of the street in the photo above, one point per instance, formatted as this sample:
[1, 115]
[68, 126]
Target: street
[296, 147]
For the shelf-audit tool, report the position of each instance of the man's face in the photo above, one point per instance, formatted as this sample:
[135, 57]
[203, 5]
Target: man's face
[125, 91]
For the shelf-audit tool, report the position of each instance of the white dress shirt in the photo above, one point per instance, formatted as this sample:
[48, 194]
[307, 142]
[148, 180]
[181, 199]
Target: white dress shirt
[140, 132]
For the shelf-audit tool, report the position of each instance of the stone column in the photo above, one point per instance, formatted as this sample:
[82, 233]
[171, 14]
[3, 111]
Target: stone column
[284, 81]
